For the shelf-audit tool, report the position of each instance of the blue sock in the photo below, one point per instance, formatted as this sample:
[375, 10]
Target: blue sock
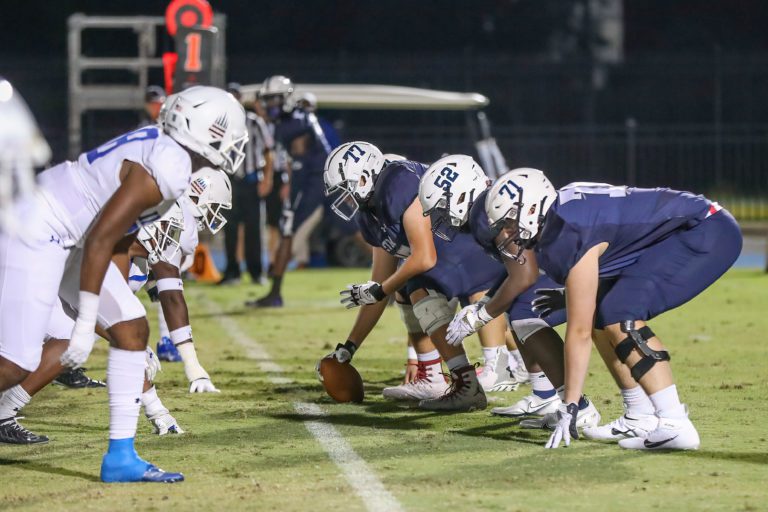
[547, 393]
[583, 403]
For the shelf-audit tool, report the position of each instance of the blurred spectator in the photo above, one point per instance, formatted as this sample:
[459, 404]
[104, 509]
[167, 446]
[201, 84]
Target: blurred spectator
[249, 186]
[154, 97]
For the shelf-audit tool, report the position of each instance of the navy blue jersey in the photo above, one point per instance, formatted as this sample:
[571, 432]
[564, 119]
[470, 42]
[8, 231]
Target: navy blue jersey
[297, 124]
[630, 219]
[462, 267]
[480, 227]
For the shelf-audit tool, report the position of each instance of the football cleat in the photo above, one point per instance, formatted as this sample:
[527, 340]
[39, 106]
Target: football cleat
[165, 424]
[425, 387]
[11, 432]
[77, 379]
[167, 351]
[122, 464]
[268, 301]
[587, 417]
[494, 375]
[465, 393]
[531, 405]
[624, 427]
[670, 434]
[520, 374]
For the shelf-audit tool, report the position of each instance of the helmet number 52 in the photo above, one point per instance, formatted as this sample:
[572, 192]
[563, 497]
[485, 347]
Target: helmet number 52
[446, 178]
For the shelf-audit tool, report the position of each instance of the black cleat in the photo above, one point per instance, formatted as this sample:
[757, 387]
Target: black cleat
[11, 432]
[77, 379]
[268, 301]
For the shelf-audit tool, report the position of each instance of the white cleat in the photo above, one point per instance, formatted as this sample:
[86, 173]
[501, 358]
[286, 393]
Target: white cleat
[429, 383]
[671, 434]
[465, 393]
[625, 426]
[587, 417]
[531, 405]
[495, 376]
[520, 374]
[165, 424]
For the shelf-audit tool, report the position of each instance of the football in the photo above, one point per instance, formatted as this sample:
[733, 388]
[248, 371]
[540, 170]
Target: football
[342, 382]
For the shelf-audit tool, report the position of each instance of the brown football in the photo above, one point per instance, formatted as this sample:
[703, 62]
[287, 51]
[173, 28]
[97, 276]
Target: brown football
[342, 382]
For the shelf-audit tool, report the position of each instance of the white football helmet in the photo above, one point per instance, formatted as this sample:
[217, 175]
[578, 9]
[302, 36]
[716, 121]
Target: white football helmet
[276, 94]
[211, 192]
[392, 157]
[161, 238]
[350, 172]
[447, 191]
[22, 148]
[516, 205]
[164, 110]
[209, 122]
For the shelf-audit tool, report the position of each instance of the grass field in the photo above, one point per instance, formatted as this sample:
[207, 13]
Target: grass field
[250, 448]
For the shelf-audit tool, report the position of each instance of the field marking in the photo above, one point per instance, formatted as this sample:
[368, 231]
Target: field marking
[359, 475]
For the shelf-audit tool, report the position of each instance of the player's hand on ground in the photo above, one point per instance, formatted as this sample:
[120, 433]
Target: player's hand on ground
[203, 385]
[566, 426]
[547, 301]
[80, 346]
[360, 294]
[411, 371]
[153, 365]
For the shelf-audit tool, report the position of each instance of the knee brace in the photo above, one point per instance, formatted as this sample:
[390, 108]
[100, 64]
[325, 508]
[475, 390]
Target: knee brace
[527, 327]
[433, 311]
[409, 318]
[637, 339]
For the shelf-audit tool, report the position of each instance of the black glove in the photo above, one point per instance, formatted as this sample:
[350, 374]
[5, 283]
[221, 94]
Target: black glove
[548, 301]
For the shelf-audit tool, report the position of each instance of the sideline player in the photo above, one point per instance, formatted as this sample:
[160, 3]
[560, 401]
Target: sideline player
[625, 255]
[300, 134]
[421, 268]
[93, 202]
[457, 204]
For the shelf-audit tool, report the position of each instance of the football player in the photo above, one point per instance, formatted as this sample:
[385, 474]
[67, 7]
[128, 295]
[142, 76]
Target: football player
[624, 255]
[94, 202]
[422, 269]
[458, 204]
[300, 134]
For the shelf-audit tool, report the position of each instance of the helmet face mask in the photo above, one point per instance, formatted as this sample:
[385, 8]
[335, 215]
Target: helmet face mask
[349, 176]
[211, 193]
[276, 95]
[162, 238]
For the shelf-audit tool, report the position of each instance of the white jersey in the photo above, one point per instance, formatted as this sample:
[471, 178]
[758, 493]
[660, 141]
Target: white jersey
[77, 191]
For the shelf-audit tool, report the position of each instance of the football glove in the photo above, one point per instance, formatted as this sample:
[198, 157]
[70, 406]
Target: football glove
[153, 365]
[203, 385]
[466, 322]
[359, 294]
[566, 426]
[548, 301]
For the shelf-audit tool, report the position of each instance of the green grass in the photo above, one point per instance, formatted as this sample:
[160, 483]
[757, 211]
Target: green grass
[248, 449]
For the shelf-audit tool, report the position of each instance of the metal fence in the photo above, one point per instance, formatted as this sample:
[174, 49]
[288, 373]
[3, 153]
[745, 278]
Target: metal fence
[729, 164]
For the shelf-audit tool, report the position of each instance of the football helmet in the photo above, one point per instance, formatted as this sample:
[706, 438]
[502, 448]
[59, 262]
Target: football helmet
[516, 206]
[161, 238]
[211, 192]
[209, 122]
[349, 174]
[22, 148]
[276, 95]
[447, 191]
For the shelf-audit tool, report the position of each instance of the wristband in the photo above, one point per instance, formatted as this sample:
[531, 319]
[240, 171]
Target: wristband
[192, 367]
[412, 353]
[181, 335]
[169, 283]
[350, 346]
[377, 292]
[483, 315]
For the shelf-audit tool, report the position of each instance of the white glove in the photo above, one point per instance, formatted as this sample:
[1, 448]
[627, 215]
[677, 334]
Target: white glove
[203, 385]
[467, 322]
[82, 339]
[360, 294]
[153, 365]
[566, 426]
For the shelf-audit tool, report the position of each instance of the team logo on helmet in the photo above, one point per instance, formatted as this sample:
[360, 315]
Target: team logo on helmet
[219, 127]
[199, 185]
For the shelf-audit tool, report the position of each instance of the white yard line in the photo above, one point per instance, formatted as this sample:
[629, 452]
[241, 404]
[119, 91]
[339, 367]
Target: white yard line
[360, 476]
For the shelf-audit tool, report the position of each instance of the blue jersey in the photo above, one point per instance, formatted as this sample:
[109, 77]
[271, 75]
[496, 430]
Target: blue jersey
[631, 220]
[462, 268]
[297, 124]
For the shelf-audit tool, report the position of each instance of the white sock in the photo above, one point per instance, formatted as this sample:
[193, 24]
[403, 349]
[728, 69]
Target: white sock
[636, 401]
[667, 403]
[161, 324]
[434, 367]
[514, 355]
[13, 401]
[541, 386]
[153, 407]
[428, 356]
[125, 380]
[491, 355]
[457, 362]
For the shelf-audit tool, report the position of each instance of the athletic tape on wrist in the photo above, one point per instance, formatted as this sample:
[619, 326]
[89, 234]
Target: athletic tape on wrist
[88, 308]
[181, 334]
[192, 367]
[169, 283]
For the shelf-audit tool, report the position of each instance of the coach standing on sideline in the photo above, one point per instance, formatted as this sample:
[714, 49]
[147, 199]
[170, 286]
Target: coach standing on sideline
[248, 189]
